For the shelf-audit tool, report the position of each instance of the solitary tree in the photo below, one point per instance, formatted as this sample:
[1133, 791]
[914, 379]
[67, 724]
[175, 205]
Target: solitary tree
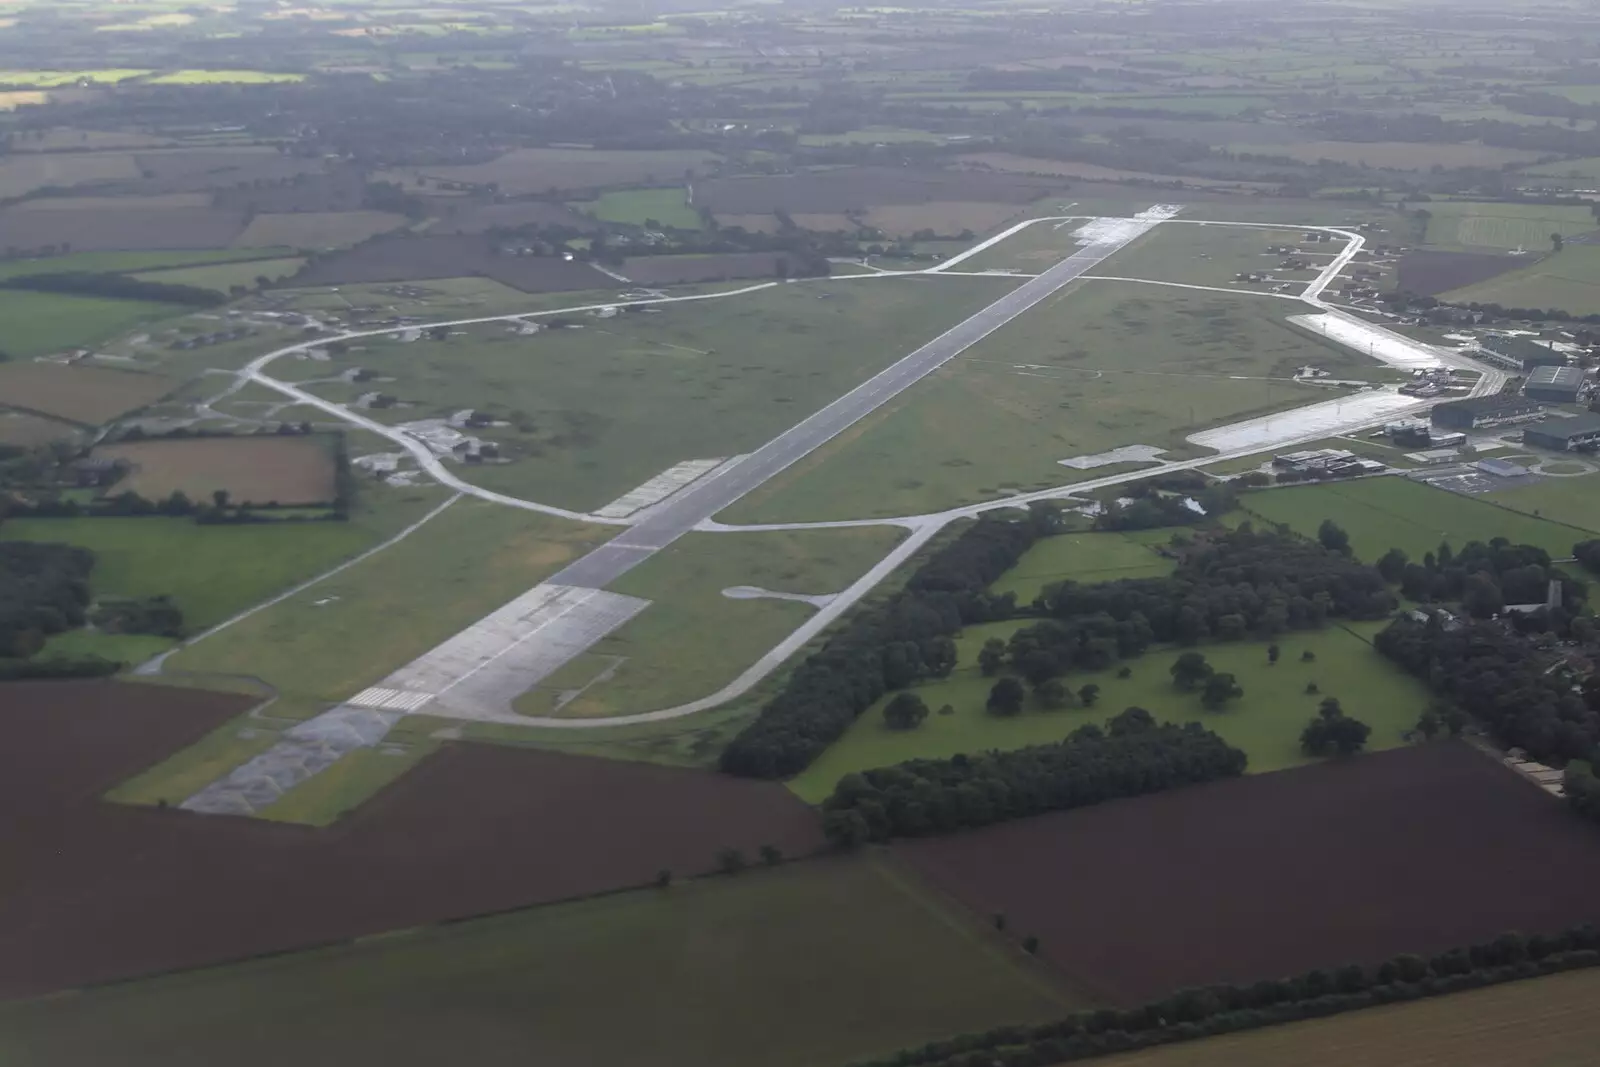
[1429, 724]
[1189, 670]
[1051, 694]
[1218, 690]
[663, 878]
[1308, 656]
[1333, 537]
[1006, 697]
[991, 656]
[1089, 694]
[730, 860]
[1273, 652]
[1556, 242]
[771, 855]
[905, 712]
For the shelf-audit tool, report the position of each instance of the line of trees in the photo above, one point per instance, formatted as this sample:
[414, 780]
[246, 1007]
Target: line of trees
[1190, 1014]
[905, 639]
[117, 287]
[1131, 756]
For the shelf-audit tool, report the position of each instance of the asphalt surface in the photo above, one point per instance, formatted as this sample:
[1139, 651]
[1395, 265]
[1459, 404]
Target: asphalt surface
[661, 525]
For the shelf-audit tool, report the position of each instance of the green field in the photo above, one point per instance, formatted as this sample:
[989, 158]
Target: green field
[223, 77]
[51, 79]
[1384, 513]
[692, 640]
[1215, 255]
[600, 410]
[668, 207]
[1572, 501]
[1091, 557]
[125, 262]
[1568, 280]
[816, 963]
[1265, 723]
[1478, 227]
[215, 571]
[224, 276]
[38, 324]
[341, 635]
[1097, 366]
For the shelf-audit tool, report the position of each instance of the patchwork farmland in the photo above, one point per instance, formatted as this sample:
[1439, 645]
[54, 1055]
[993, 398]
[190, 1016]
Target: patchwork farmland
[259, 470]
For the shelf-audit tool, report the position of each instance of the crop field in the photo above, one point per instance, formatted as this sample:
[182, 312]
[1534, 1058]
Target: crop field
[223, 77]
[129, 262]
[1091, 557]
[1216, 255]
[218, 168]
[130, 227]
[1384, 513]
[87, 395]
[19, 428]
[1419, 850]
[693, 639]
[1402, 155]
[609, 406]
[317, 229]
[214, 571]
[408, 259]
[1476, 226]
[198, 891]
[252, 470]
[1546, 1021]
[224, 276]
[1265, 723]
[540, 170]
[668, 207]
[1568, 280]
[681, 270]
[346, 632]
[755, 962]
[1097, 366]
[1428, 272]
[24, 174]
[858, 188]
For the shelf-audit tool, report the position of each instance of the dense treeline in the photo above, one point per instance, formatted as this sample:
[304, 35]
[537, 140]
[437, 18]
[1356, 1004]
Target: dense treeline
[1131, 756]
[44, 590]
[1502, 679]
[1204, 1012]
[1238, 583]
[116, 286]
[1484, 578]
[890, 646]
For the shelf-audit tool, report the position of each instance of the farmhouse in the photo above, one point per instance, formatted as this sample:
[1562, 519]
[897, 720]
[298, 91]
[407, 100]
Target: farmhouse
[1555, 385]
[1519, 353]
[1563, 435]
[1476, 412]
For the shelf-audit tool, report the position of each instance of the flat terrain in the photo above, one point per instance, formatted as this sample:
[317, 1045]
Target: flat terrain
[24, 430]
[1097, 366]
[252, 470]
[341, 635]
[666, 207]
[692, 639]
[1417, 850]
[1384, 513]
[317, 229]
[1570, 501]
[42, 324]
[1265, 723]
[1547, 1021]
[541, 170]
[1090, 557]
[722, 971]
[223, 276]
[597, 411]
[1216, 255]
[1568, 280]
[215, 571]
[1475, 227]
[88, 395]
[175, 890]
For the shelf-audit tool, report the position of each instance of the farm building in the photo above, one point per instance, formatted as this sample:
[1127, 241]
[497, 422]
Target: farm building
[1475, 412]
[1555, 385]
[1564, 434]
[1519, 353]
[1435, 457]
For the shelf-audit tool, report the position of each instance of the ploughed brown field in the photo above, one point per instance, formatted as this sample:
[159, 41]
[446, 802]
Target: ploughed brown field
[91, 891]
[88, 395]
[1413, 850]
[678, 270]
[253, 470]
[1429, 273]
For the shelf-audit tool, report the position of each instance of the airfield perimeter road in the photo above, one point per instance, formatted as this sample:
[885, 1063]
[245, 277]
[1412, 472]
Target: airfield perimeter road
[666, 522]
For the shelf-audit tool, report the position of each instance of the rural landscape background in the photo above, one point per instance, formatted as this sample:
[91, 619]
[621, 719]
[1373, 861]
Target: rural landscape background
[797, 534]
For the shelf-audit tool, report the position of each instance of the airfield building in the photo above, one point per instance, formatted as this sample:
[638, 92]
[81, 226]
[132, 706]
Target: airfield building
[1519, 353]
[1554, 385]
[1478, 412]
[1564, 435]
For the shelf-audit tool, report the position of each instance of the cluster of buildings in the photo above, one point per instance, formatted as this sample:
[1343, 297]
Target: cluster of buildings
[1327, 463]
[206, 340]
